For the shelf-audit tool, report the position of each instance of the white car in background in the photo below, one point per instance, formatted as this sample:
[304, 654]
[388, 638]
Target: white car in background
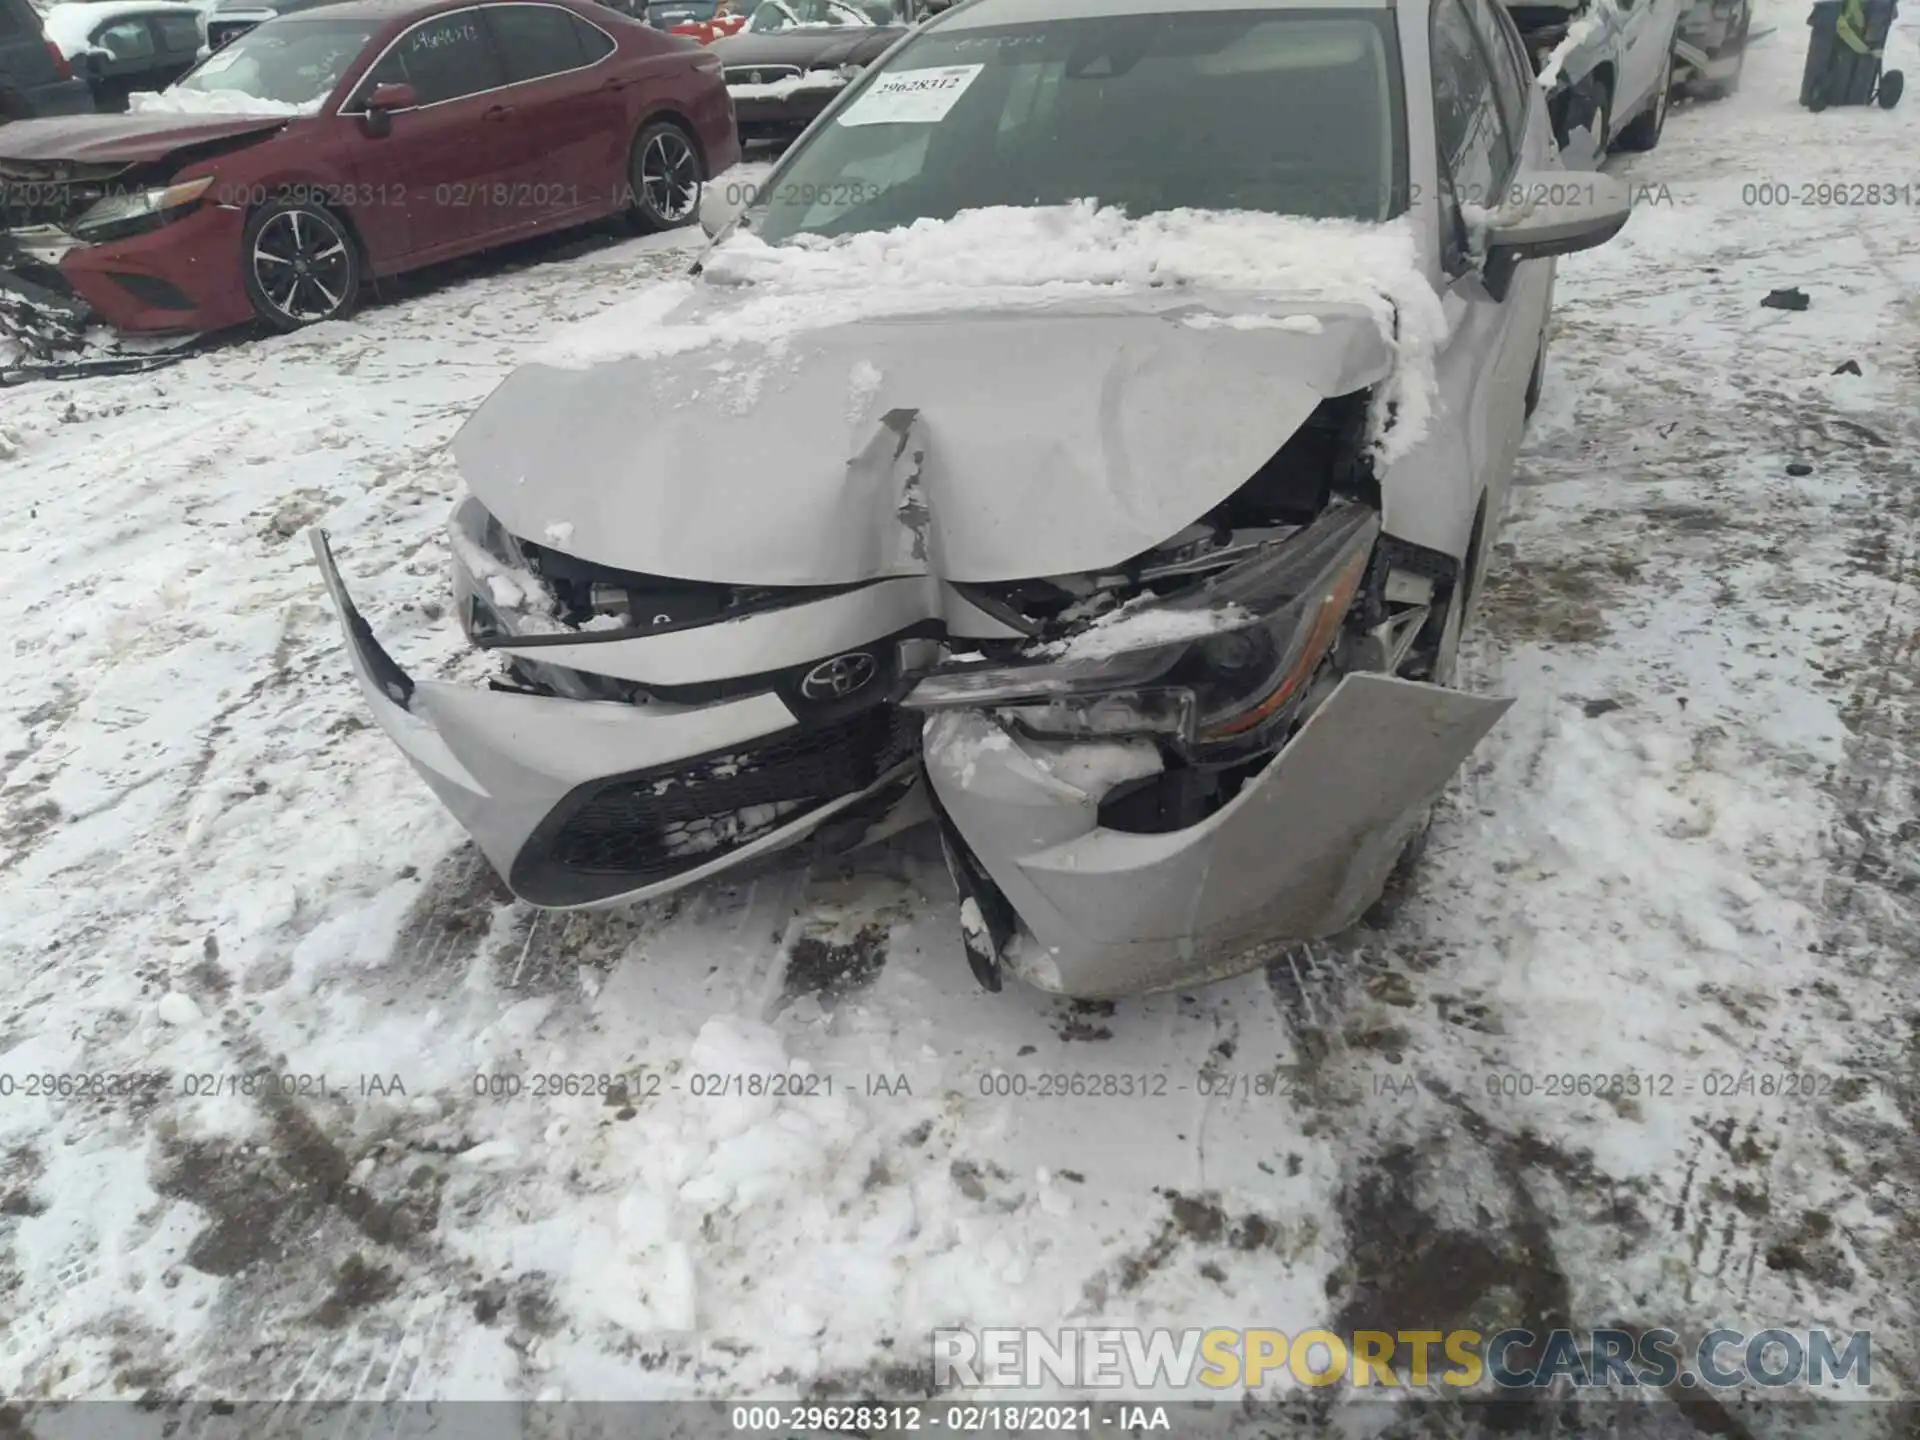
[1113, 490]
[1607, 67]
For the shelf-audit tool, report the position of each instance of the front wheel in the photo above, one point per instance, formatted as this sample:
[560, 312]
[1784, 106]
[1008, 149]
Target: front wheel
[1892, 83]
[664, 177]
[300, 263]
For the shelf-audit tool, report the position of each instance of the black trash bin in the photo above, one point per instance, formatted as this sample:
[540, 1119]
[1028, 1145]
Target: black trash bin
[1843, 55]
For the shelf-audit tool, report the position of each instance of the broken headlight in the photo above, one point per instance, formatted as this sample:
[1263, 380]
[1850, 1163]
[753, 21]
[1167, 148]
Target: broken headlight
[1221, 666]
[137, 211]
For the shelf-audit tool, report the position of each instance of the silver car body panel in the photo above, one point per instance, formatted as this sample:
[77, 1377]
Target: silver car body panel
[990, 447]
[1114, 914]
[502, 762]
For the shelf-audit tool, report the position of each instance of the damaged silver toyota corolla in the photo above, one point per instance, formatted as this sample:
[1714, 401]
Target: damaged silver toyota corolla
[1088, 437]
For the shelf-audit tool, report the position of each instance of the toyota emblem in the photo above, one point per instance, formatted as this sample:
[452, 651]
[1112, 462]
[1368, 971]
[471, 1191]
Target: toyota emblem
[840, 677]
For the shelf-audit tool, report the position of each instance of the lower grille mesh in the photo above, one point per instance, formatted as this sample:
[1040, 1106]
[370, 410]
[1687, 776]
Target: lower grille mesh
[661, 823]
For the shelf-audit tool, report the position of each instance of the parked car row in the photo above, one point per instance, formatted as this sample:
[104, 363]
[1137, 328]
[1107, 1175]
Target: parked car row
[122, 47]
[326, 149]
[1113, 494]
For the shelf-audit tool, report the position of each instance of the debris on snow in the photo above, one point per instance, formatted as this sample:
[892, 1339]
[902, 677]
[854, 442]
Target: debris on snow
[489, 1154]
[177, 1009]
[863, 383]
[1791, 299]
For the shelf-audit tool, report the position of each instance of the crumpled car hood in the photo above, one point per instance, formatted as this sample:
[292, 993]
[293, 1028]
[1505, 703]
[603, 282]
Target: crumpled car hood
[103, 139]
[979, 446]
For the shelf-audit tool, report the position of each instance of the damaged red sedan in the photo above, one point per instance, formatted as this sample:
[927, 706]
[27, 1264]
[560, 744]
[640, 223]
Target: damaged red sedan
[327, 149]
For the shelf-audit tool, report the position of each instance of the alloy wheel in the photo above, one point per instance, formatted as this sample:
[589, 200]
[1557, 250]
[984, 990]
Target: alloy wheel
[302, 265]
[670, 176]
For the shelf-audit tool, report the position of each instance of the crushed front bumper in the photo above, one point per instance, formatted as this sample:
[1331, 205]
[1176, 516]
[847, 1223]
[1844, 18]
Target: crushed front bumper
[1299, 853]
[580, 804]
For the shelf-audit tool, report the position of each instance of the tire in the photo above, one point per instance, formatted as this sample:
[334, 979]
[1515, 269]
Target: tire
[1892, 83]
[301, 264]
[1642, 133]
[665, 177]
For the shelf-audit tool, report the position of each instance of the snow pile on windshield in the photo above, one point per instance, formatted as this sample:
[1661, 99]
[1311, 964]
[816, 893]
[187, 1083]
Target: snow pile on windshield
[758, 294]
[1602, 16]
[214, 102]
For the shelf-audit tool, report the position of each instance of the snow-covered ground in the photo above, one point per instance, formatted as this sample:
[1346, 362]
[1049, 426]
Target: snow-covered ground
[1687, 853]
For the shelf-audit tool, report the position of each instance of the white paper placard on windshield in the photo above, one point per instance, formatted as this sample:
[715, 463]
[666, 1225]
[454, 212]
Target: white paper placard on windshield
[911, 97]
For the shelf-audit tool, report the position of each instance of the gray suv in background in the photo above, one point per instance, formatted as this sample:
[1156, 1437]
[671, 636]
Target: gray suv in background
[35, 78]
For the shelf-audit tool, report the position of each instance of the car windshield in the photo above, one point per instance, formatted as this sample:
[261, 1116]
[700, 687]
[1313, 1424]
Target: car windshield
[678, 12]
[803, 15]
[1290, 112]
[293, 61]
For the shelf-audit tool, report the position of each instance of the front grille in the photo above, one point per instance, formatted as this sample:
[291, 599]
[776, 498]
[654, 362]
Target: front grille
[640, 829]
[760, 74]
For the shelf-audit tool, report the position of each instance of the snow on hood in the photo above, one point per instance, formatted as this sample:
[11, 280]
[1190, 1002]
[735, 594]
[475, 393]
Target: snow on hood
[1010, 394]
[1011, 257]
[214, 102]
[792, 85]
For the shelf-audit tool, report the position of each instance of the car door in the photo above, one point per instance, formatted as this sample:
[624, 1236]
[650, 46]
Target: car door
[1491, 342]
[568, 129]
[121, 57]
[1641, 51]
[445, 158]
[1523, 113]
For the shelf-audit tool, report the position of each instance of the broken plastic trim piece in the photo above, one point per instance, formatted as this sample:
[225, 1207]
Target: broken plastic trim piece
[394, 682]
[986, 942]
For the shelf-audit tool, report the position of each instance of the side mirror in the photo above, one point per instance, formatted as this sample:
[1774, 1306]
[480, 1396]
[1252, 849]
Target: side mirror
[721, 205]
[1552, 212]
[382, 101]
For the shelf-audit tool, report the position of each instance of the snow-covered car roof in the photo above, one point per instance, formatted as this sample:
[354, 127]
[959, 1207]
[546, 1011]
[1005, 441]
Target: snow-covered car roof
[71, 26]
